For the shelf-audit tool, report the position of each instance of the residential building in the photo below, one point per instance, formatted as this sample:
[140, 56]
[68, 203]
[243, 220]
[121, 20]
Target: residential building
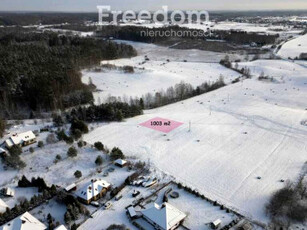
[3, 206]
[164, 217]
[24, 222]
[93, 191]
[21, 139]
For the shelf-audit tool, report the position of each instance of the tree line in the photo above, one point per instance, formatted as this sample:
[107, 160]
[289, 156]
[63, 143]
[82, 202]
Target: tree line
[173, 94]
[41, 71]
[114, 111]
[289, 204]
[134, 33]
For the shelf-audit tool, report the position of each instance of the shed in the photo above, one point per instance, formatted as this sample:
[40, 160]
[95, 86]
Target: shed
[8, 192]
[71, 187]
[120, 163]
[131, 212]
[215, 224]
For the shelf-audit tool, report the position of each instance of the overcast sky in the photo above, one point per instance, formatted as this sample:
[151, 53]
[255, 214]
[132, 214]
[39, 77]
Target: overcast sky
[90, 5]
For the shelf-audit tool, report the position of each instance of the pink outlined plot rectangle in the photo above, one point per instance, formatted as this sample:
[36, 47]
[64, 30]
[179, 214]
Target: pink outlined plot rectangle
[161, 124]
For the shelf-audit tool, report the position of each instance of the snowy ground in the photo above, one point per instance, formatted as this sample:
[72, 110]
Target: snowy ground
[294, 47]
[200, 213]
[245, 130]
[158, 73]
[56, 209]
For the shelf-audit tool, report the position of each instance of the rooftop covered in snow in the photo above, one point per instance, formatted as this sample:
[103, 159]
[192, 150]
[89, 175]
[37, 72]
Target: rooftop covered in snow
[92, 189]
[24, 222]
[165, 216]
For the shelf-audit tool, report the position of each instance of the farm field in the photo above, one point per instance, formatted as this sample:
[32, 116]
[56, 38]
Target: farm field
[294, 47]
[163, 69]
[244, 131]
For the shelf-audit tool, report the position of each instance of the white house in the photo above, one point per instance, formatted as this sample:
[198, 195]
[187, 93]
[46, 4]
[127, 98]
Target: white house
[164, 217]
[3, 206]
[21, 139]
[93, 190]
[24, 222]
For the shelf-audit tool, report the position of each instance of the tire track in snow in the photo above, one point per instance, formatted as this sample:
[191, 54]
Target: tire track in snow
[260, 164]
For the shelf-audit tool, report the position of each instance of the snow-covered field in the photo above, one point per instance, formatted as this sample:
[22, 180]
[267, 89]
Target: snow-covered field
[158, 73]
[238, 133]
[294, 47]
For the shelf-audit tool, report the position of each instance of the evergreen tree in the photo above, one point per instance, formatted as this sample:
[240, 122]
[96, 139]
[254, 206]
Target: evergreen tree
[78, 174]
[72, 152]
[2, 127]
[99, 160]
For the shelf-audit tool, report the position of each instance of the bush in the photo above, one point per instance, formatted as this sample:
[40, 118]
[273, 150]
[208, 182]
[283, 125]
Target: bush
[78, 125]
[77, 134]
[128, 69]
[51, 139]
[78, 174]
[58, 157]
[116, 153]
[80, 144]
[24, 182]
[69, 140]
[63, 137]
[99, 146]
[289, 203]
[31, 149]
[58, 121]
[15, 150]
[72, 152]
[13, 159]
[99, 160]
[40, 144]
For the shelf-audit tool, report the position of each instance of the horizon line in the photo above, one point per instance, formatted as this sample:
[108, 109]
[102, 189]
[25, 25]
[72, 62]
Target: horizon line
[59, 11]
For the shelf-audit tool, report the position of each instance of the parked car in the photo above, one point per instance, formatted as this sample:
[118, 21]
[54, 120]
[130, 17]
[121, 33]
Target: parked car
[111, 169]
[107, 205]
[118, 197]
[135, 193]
